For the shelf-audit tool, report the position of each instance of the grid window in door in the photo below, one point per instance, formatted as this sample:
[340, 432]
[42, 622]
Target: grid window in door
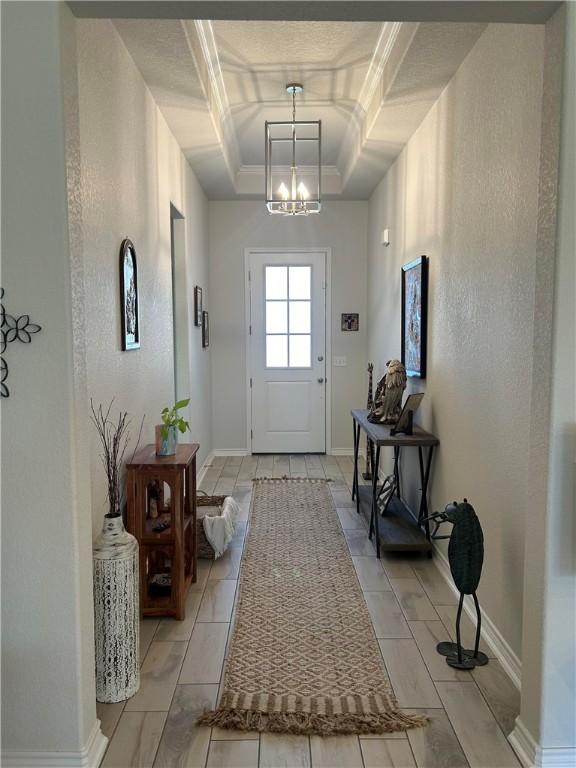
[288, 317]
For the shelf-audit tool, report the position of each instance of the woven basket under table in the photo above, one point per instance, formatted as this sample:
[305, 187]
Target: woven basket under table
[206, 505]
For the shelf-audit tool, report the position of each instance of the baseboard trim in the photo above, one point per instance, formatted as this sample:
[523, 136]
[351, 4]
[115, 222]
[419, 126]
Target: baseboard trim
[230, 452]
[341, 452]
[89, 757]
[532, 755]
[204, 468]
[523, 744]
[491, 635]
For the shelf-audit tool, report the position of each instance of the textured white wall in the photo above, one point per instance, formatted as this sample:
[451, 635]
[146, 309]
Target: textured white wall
[235, 226]
[132, 170]
[464, 192]
[548, 706]
[48, 695]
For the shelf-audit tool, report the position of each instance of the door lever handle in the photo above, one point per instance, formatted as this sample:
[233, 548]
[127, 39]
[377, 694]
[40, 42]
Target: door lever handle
[320, 381]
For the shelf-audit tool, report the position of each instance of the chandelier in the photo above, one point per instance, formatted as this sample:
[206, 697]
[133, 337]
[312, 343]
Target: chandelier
[293, 163]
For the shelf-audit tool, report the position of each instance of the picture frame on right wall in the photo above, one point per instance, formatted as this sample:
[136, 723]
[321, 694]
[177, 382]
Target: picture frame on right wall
[197, 305]
[415, 316]
[205, 329]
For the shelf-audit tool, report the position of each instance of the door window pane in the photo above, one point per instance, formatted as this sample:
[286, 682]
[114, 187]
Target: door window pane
[300, 351]
[299, 317]
[276, 282]
[276, 351]
[276, 317]
[300, 282]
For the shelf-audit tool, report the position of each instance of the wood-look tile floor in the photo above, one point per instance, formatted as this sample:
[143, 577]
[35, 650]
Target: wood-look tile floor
[412, 609]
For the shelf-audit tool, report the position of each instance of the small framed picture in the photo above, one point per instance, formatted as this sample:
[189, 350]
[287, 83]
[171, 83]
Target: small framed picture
[404, 423]
[129, 296]
[198, 306]
[350, 321]
[205, 329]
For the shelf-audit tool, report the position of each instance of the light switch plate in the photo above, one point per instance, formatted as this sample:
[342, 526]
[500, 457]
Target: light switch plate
[339, 362]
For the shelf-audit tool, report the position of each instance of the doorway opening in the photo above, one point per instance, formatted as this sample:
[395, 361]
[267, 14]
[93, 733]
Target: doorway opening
[180, 308]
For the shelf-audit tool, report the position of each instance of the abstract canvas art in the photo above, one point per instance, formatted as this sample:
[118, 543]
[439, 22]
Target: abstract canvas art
[129, 296]
[414, 316]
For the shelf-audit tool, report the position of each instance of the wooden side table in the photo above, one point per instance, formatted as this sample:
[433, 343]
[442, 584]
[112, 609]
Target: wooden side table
[161, 515]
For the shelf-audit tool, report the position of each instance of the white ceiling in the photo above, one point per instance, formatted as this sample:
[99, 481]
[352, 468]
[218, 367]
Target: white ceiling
[370, 83]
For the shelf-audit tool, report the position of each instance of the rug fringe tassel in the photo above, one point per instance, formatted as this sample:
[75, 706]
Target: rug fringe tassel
[306, 723]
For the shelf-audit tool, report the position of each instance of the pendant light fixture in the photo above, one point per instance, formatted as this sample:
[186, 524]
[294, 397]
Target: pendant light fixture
[293, 163]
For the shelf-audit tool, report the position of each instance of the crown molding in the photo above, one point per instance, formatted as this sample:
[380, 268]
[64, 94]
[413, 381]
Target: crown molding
[202, 44]
[356, 132]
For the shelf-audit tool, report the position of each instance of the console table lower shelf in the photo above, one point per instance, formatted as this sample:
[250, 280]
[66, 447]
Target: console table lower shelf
[398, 527]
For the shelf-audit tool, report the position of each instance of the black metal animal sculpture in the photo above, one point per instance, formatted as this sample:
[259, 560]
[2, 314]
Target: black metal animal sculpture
[466, 555]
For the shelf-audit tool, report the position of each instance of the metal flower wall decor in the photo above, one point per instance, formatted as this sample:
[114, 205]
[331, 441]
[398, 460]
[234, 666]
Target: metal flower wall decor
[12, 329]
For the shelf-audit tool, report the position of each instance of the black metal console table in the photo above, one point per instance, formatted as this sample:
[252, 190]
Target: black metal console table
[398, 528]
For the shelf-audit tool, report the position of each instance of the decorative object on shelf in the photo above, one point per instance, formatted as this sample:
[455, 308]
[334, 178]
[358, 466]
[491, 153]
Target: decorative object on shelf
[350, 321]
[466, 556]
[129, 296]
[293, 151]
[12, 329]
[205, 329]
[166, 434]
[414, 316]
[168, 543]
[197, 306]
[370, 402]
[388, 398]
[405, 423]
[115, 560]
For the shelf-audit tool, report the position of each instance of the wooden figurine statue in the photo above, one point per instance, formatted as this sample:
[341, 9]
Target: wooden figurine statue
[388, 397]
[466, 555]
[368, 474]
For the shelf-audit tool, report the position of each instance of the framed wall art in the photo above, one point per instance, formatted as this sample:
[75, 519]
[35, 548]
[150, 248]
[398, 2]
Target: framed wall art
[205, 329]
[129, 309]
[349, 321]
[414, 316]
[197, 306]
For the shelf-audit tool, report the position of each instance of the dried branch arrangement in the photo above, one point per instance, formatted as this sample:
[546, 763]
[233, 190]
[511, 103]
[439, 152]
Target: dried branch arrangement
[114, 436]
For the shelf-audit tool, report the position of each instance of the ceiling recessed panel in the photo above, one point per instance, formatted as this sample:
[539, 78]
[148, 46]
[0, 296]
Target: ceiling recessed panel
[370, 83]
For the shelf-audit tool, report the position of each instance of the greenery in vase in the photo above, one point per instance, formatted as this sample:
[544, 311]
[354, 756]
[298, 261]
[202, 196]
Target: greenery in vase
[170, 418]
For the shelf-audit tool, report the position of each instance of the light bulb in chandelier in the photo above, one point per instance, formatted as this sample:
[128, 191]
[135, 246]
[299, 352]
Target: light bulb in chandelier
[303, 193]
[283, 192]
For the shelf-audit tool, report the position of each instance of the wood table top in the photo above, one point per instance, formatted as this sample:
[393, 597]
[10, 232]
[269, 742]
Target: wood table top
[146, 457]
[379, 434]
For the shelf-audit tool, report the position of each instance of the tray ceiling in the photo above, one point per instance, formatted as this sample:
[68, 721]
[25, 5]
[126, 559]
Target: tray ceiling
[370, 83]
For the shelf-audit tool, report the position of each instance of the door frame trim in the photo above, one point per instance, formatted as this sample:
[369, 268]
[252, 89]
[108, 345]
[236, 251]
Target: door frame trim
[327, 251]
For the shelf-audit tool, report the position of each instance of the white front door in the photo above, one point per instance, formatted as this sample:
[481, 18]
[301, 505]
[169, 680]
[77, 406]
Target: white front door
[287, 352]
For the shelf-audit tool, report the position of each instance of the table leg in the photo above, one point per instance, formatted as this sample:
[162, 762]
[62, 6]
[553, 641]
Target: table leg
[424, 479]
[374, 513]
[397, 469]
[193, 511]
[356, 429]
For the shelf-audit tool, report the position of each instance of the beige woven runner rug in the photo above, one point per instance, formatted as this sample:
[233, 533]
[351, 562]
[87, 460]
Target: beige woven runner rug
[304, 657]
